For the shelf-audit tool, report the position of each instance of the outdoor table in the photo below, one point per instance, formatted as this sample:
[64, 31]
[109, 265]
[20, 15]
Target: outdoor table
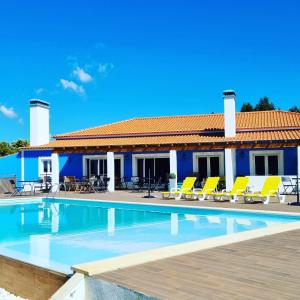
[28, 183]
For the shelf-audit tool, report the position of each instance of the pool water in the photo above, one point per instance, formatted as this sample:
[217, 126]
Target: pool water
[57, 234]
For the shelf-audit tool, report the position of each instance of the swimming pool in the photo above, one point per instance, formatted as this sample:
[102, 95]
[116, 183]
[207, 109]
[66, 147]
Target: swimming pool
[59, 233]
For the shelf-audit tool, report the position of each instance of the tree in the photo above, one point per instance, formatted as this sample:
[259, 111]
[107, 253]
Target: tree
[264, 104]
[295, 109]
[247, 107]
[5, 149]
[10, 148]
[19, 144]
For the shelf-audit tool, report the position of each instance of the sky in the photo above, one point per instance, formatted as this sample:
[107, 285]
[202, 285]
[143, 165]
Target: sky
[98, 62]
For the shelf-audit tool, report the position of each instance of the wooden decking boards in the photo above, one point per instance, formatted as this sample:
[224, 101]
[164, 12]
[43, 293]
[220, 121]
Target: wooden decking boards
[264, 268]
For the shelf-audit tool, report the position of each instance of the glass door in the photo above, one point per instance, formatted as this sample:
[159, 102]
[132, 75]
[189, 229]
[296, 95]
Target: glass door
[208, 166]
[98, 167]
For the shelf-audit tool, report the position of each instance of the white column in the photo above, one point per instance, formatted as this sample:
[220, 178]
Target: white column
[111, 221]
[55, 171]
[111, 171]
[22, 166]
[173, 165]
[298, 160]
[229, 168]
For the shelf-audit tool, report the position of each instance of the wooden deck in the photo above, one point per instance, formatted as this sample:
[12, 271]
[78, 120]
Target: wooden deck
[264, 268]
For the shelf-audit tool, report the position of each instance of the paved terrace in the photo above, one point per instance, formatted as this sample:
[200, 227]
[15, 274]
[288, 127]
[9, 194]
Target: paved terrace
[263, 268]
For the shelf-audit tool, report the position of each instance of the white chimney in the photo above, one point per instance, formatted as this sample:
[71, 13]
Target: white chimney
[229, 113]
[39, 122]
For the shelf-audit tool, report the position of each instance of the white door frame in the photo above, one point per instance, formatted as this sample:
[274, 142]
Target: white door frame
[102, 156]
[148, 155]
[219, 154]
[265, 153]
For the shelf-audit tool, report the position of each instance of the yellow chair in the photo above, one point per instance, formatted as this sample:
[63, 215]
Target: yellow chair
[269, 189]
[176, 193]
[237, 190]
[209, 187]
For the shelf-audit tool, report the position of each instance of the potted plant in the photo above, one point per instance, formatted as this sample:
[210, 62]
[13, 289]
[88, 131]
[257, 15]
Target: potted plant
[172, 181]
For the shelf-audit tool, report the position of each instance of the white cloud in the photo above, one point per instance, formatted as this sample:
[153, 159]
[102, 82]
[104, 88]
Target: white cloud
[104, 68]
[8, 112]
[71, 85]
[39, 91]
[82, 75]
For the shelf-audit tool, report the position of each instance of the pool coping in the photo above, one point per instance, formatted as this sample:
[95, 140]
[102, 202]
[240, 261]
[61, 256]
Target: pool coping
[111, 264]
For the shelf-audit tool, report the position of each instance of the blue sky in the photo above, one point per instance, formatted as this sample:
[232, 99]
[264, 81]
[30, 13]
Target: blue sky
[103, 61]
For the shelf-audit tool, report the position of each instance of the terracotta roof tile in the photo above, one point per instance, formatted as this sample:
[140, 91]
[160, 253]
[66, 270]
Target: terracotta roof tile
[286, 135]
[191, 124]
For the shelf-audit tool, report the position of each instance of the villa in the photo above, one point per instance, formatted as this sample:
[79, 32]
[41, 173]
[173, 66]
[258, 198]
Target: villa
[231, 144]
[123, 245]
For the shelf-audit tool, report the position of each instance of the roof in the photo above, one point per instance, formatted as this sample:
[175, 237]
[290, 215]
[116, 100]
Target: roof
[191, 124]
[254, 127]
[272, 136]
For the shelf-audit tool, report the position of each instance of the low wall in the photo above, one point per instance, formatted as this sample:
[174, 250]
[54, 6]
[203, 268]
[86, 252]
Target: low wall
[29, 281]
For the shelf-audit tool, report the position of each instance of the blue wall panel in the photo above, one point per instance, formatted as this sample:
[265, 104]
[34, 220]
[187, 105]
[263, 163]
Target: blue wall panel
[290, 161]
[11, 165]
[71, 165]
[128, 165]
[242, 162]
[184, 164]
[31, 167]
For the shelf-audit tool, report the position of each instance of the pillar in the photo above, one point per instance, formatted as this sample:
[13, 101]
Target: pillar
[111, 171]
[229, 168]
[55, 171]
[173, 165]
[22, 166]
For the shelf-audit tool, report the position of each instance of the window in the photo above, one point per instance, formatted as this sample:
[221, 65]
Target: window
[208, 164]
[45, 166]
[158, 165]
[96, 165]
[264, 163]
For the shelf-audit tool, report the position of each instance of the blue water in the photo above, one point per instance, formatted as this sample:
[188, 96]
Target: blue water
[57, 234]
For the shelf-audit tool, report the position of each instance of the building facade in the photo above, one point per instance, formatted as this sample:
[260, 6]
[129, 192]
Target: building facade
[255, 144]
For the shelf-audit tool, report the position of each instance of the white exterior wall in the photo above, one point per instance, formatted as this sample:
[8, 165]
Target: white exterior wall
[39, 123]
[111, 171]
[229, 114]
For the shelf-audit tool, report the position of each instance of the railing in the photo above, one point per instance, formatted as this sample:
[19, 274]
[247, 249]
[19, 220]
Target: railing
[55, 192]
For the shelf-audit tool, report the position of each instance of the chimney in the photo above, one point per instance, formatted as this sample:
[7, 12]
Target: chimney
[39, 122]
[229, 113]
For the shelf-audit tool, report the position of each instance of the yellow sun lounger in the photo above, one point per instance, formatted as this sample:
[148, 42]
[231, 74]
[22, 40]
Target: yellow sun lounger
[209, 187]
[269, 189]
[238, 189]
[176, 193]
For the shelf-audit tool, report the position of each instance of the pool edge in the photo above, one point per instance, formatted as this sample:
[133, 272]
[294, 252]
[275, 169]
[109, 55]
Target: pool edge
[130, 260]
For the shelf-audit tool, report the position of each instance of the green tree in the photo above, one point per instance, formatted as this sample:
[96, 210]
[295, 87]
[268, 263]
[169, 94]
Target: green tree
[19, 144]
[247, 107]
[10, 148]
[295, 109]
[264, 104]
[5, 149]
